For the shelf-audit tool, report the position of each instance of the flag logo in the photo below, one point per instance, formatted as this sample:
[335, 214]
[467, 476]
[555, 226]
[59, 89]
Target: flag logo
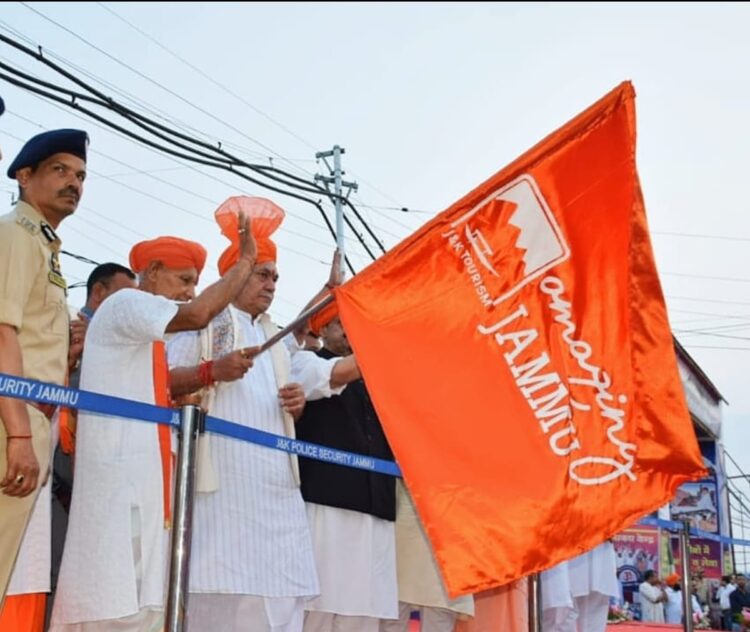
[526, 240]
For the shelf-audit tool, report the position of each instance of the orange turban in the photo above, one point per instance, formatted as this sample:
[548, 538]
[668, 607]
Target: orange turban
[266, 218]
[173, 252]
[324, 316]
[673, 579]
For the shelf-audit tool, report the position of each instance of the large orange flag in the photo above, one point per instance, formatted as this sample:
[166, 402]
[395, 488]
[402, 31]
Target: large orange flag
[518, 352]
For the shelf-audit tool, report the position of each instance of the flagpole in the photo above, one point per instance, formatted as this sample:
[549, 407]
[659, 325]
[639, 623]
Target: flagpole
[294, 325]
[338, 199]
[535, 602]
[340, 242]
[687, 600]
[191, 422]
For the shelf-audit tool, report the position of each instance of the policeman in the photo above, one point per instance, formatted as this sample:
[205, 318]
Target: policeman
[34, 323]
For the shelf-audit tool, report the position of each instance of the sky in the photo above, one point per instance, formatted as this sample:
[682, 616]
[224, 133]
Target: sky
[428, 100]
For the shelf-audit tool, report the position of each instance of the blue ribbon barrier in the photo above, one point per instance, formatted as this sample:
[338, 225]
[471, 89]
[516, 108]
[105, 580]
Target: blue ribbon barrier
[673, 525]
[33, 390]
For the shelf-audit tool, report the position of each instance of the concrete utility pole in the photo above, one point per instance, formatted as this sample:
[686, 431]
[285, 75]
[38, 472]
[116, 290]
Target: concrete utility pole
[338, 185]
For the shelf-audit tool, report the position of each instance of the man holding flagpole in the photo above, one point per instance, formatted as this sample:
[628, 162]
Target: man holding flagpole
[252, 564]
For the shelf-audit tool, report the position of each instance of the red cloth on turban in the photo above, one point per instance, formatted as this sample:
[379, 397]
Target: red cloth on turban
[173, 252]
[265, 219]
[324, 316]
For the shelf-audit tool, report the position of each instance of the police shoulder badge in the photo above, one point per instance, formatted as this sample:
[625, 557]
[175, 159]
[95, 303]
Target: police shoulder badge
[26, 223]
[48, 232]
[55, 272]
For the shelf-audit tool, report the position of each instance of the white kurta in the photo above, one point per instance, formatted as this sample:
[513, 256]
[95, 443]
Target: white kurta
[250, 536]
[31, 574]
[356, 558]
[673, 607]
[651, 611]
[594, 571]
[118, 473]
[575, 594]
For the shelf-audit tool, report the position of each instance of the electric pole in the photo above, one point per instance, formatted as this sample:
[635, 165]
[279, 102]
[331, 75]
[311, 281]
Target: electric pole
[335, 178]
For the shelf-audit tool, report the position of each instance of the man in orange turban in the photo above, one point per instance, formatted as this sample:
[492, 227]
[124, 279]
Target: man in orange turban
[249, 494]
[114, 566]
[348, 505]
[172, 253]
[323, 317]
[267, 217]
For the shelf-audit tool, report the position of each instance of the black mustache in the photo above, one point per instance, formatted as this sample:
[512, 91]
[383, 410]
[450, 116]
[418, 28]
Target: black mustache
[68, 191]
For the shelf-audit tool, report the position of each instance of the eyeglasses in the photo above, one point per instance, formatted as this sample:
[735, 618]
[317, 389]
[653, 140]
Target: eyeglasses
[266, 275]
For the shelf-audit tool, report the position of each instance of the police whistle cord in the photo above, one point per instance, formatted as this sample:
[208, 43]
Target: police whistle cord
[45, 393]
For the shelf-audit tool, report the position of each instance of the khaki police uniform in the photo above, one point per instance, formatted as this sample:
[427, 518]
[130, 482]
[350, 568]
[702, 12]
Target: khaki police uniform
[33, 300]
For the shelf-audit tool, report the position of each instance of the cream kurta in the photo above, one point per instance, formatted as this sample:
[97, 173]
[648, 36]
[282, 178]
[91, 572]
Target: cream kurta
[419, 579]
[251, 536]
[117, 489]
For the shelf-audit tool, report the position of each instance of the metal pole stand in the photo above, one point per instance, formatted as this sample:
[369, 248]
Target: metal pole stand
[191, 422]
[687, 601]
[535, 602]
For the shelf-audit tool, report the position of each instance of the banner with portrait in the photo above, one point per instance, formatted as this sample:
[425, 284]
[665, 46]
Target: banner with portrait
[698, 503]
[636, 551]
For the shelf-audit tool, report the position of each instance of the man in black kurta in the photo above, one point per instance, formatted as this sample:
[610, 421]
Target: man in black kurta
[351, 511]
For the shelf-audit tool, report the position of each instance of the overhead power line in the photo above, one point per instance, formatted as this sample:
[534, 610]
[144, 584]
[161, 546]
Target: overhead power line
[708, 333]
[151, 81]
[79, 257]
[243, 100]
[707, 277]
[707, 300]
[209, 78]
[689, 346]
[218, 157]
[699, 235]
[312, 187]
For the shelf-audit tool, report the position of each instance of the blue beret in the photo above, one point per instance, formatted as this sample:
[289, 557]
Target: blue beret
[46, 144]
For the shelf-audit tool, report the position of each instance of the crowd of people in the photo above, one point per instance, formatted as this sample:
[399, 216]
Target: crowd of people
[662, 601]
[279, 543]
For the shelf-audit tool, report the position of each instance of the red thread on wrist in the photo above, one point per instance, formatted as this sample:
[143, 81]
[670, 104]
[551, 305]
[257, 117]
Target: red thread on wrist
[18, 436]
[206, 372]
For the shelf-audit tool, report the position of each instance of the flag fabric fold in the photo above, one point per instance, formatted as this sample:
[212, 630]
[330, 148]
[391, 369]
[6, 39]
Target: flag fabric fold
[518, 353]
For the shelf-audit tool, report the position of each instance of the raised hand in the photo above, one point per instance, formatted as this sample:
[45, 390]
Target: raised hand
[336, 277]
[248, 247]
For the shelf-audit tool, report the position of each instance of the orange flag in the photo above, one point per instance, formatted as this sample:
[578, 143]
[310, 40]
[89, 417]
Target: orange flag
[519, 356]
